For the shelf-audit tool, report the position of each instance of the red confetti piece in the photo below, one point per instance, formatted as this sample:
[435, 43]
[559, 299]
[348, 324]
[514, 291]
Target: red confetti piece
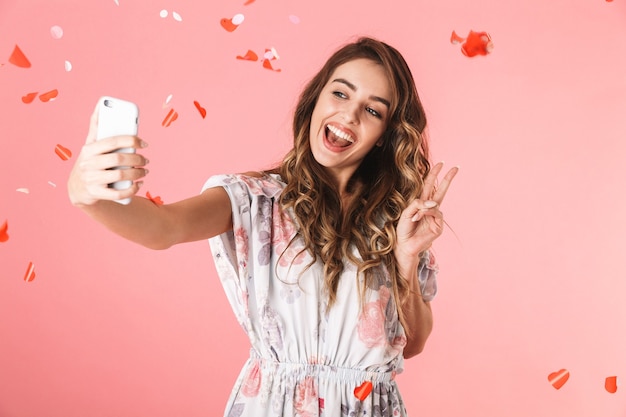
[228, 25]
[201, 109]
[18, 58]
[156, 200]
[610, 384]
[363, 390]
[28, 98]
[252, 1]
[4, 235]
[476, 43]
[171, 116]
[50, 95]
[30, 272]
[559, 378]
[267, 64]
[63, 152]
[249, 56]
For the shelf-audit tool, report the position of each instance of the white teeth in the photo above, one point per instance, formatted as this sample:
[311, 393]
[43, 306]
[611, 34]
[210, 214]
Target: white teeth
[340, 134]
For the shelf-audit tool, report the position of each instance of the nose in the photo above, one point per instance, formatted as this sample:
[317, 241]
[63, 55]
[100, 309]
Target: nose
[351, 113]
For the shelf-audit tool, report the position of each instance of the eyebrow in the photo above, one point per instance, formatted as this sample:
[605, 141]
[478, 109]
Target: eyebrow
[354, 88]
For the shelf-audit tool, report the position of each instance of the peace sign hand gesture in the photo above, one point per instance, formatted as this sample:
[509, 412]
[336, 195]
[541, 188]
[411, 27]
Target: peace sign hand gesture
[422, 221]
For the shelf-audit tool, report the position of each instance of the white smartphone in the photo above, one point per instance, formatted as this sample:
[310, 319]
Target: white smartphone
[118, 117]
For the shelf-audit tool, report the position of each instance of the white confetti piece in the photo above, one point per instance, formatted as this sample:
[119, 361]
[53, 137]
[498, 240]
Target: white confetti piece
[163, 13]
[294, 19]
[167, 101]
[23, 190]
[238, 19]
[52, 184]
[68, 66]
[56, 32]
[116, 2]
[177, 17]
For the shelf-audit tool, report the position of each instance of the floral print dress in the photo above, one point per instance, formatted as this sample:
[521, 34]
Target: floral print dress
[305, 360]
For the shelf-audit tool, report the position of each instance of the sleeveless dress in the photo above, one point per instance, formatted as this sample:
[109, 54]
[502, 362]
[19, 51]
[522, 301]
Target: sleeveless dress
[305, 360]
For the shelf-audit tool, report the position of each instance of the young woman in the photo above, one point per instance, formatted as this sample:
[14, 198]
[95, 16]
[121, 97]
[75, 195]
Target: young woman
[325, 259]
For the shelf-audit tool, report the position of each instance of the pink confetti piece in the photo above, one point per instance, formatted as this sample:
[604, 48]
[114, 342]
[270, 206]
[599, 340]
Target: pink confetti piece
[558, 378]
[171, 116]
[63, 152]
[4, 228]
[30, 272]
[294, 19]
[28, 98]
[56, 32]
[610, 383]
[201, 109]
[49, 96]
[249, 56]
[18, 58]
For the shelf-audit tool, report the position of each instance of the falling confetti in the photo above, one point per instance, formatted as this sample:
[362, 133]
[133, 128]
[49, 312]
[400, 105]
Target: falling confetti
[68, 66]
[52, 184]
[268, 64]
[49, 96]
[4, 236]
[63, 152]
[476, 43]
[167, 100]
[559, 378]
[30, 272]
[252, 1]
[294, 19]
[18, 58]
[156, 200]
[232, 24]
[23, 190]
[249, 56]
[171, 116]
[28, 98]
[201, 109]
[610, 383]
[56, 32]
[163, 13]
[362, 391]
[177, 17]
[271, 54]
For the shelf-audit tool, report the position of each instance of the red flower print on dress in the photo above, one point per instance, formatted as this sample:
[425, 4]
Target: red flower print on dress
[282, 233]
[252, 381]
[241, 242]
[307, 403]
[371, 326]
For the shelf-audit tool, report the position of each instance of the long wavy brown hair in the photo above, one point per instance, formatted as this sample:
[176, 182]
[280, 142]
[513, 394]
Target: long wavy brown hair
[390, 176]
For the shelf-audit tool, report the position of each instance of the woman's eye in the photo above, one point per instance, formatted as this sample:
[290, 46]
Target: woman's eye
[373, 112]
[339, 94]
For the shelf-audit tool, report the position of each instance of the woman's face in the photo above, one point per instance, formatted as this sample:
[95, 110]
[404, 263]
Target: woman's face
[350, 117]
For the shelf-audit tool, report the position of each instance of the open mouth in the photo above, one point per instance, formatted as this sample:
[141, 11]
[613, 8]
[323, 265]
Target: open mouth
[338, 137]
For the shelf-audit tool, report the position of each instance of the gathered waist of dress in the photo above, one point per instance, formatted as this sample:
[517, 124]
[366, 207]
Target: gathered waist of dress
[300, 371]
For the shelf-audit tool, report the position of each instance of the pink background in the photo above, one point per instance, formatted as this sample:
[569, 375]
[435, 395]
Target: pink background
[532, 279]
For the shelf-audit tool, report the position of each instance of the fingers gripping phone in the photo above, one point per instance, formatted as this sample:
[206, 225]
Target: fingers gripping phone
[118, 117]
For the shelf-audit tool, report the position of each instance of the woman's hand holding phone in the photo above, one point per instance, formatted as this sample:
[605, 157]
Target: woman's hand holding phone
[108, 167]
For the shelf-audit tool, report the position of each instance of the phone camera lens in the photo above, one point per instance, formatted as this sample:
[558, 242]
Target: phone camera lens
[107, 103]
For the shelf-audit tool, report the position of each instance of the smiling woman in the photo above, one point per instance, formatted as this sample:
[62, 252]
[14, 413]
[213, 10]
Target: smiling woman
[325, 259]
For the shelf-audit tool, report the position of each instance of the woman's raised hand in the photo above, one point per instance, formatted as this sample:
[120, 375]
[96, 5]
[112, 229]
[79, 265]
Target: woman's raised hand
[422, 221]
[93, 171]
